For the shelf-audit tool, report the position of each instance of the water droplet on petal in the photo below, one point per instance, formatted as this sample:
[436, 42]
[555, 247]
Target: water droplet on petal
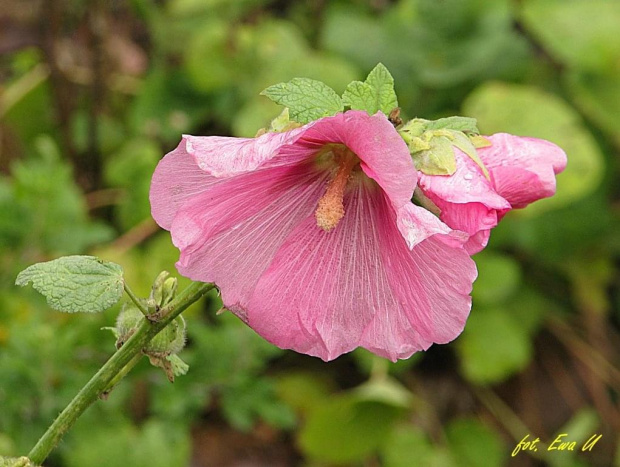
[468, 176]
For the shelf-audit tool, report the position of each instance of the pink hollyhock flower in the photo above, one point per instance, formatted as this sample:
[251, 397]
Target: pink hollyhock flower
[521, 171]
[312, 239]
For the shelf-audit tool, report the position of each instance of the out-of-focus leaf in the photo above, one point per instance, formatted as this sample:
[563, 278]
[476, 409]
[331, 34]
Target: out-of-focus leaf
[493, 346]
[303, 391]
[407, 445]
[167, 105]
[207, 57]
[345, 429]
[539, 235]
[498, 278]
[131, 168]
[596, 46]
[578, 429]
[598, 96]
[385, 390]
[119, 444]
[529, 111]
[366, 360]
[76, 283]
[52, 204]
[244, 404]
[474, 445]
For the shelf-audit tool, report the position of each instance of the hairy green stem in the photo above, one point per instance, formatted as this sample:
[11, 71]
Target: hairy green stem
[117, 364]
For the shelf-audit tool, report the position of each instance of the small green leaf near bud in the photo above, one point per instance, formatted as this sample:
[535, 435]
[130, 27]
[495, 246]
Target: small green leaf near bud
[374, 94]
[382, 81]
[179, 367]
[76, 283]
[307, 99]
[360, 96]
[464, 124]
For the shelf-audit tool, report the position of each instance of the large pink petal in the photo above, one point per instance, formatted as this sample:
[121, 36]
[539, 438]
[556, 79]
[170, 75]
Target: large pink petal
[223, 156]
[326, 293]
[176, 180]
[431, 283]
[522, 169]
[230, 233]
[384, 154]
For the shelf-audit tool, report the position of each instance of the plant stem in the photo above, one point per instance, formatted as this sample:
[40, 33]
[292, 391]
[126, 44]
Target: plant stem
[136, 300]
[108, 373]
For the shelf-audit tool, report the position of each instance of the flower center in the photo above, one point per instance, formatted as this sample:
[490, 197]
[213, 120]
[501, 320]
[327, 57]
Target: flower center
[330, 208]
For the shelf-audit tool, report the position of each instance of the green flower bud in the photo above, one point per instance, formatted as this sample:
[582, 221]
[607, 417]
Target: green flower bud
[170, 340]
[157, 291]
[127, 322]
[169, 290]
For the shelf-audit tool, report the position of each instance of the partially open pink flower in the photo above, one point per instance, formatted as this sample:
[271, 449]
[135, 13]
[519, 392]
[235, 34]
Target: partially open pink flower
[521, 171]
[312, 239]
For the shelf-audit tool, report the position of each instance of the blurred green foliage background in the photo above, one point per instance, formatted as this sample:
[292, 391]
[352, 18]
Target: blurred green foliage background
[94, 92]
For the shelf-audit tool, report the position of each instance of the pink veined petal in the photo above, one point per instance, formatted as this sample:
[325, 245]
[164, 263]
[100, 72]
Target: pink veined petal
[326, 293]
[431, 282]
[466, 185]
[384, 155]
[475, 219]
[230, 234]
[522, 169]
[467, 200]
[417, 224]
[223, 156]
[477, 242]
[176, 180]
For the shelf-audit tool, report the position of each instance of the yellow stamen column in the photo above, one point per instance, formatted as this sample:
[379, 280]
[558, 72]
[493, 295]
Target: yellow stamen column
[331, 208]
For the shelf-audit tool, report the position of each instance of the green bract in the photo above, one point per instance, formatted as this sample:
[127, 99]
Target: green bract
[431, 143]
[76, 283]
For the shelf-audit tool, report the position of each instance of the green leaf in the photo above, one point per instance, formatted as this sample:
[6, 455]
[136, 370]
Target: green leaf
[360, 96]
[307, 99]
[76, 283]
[376, 93]
[381, 81]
